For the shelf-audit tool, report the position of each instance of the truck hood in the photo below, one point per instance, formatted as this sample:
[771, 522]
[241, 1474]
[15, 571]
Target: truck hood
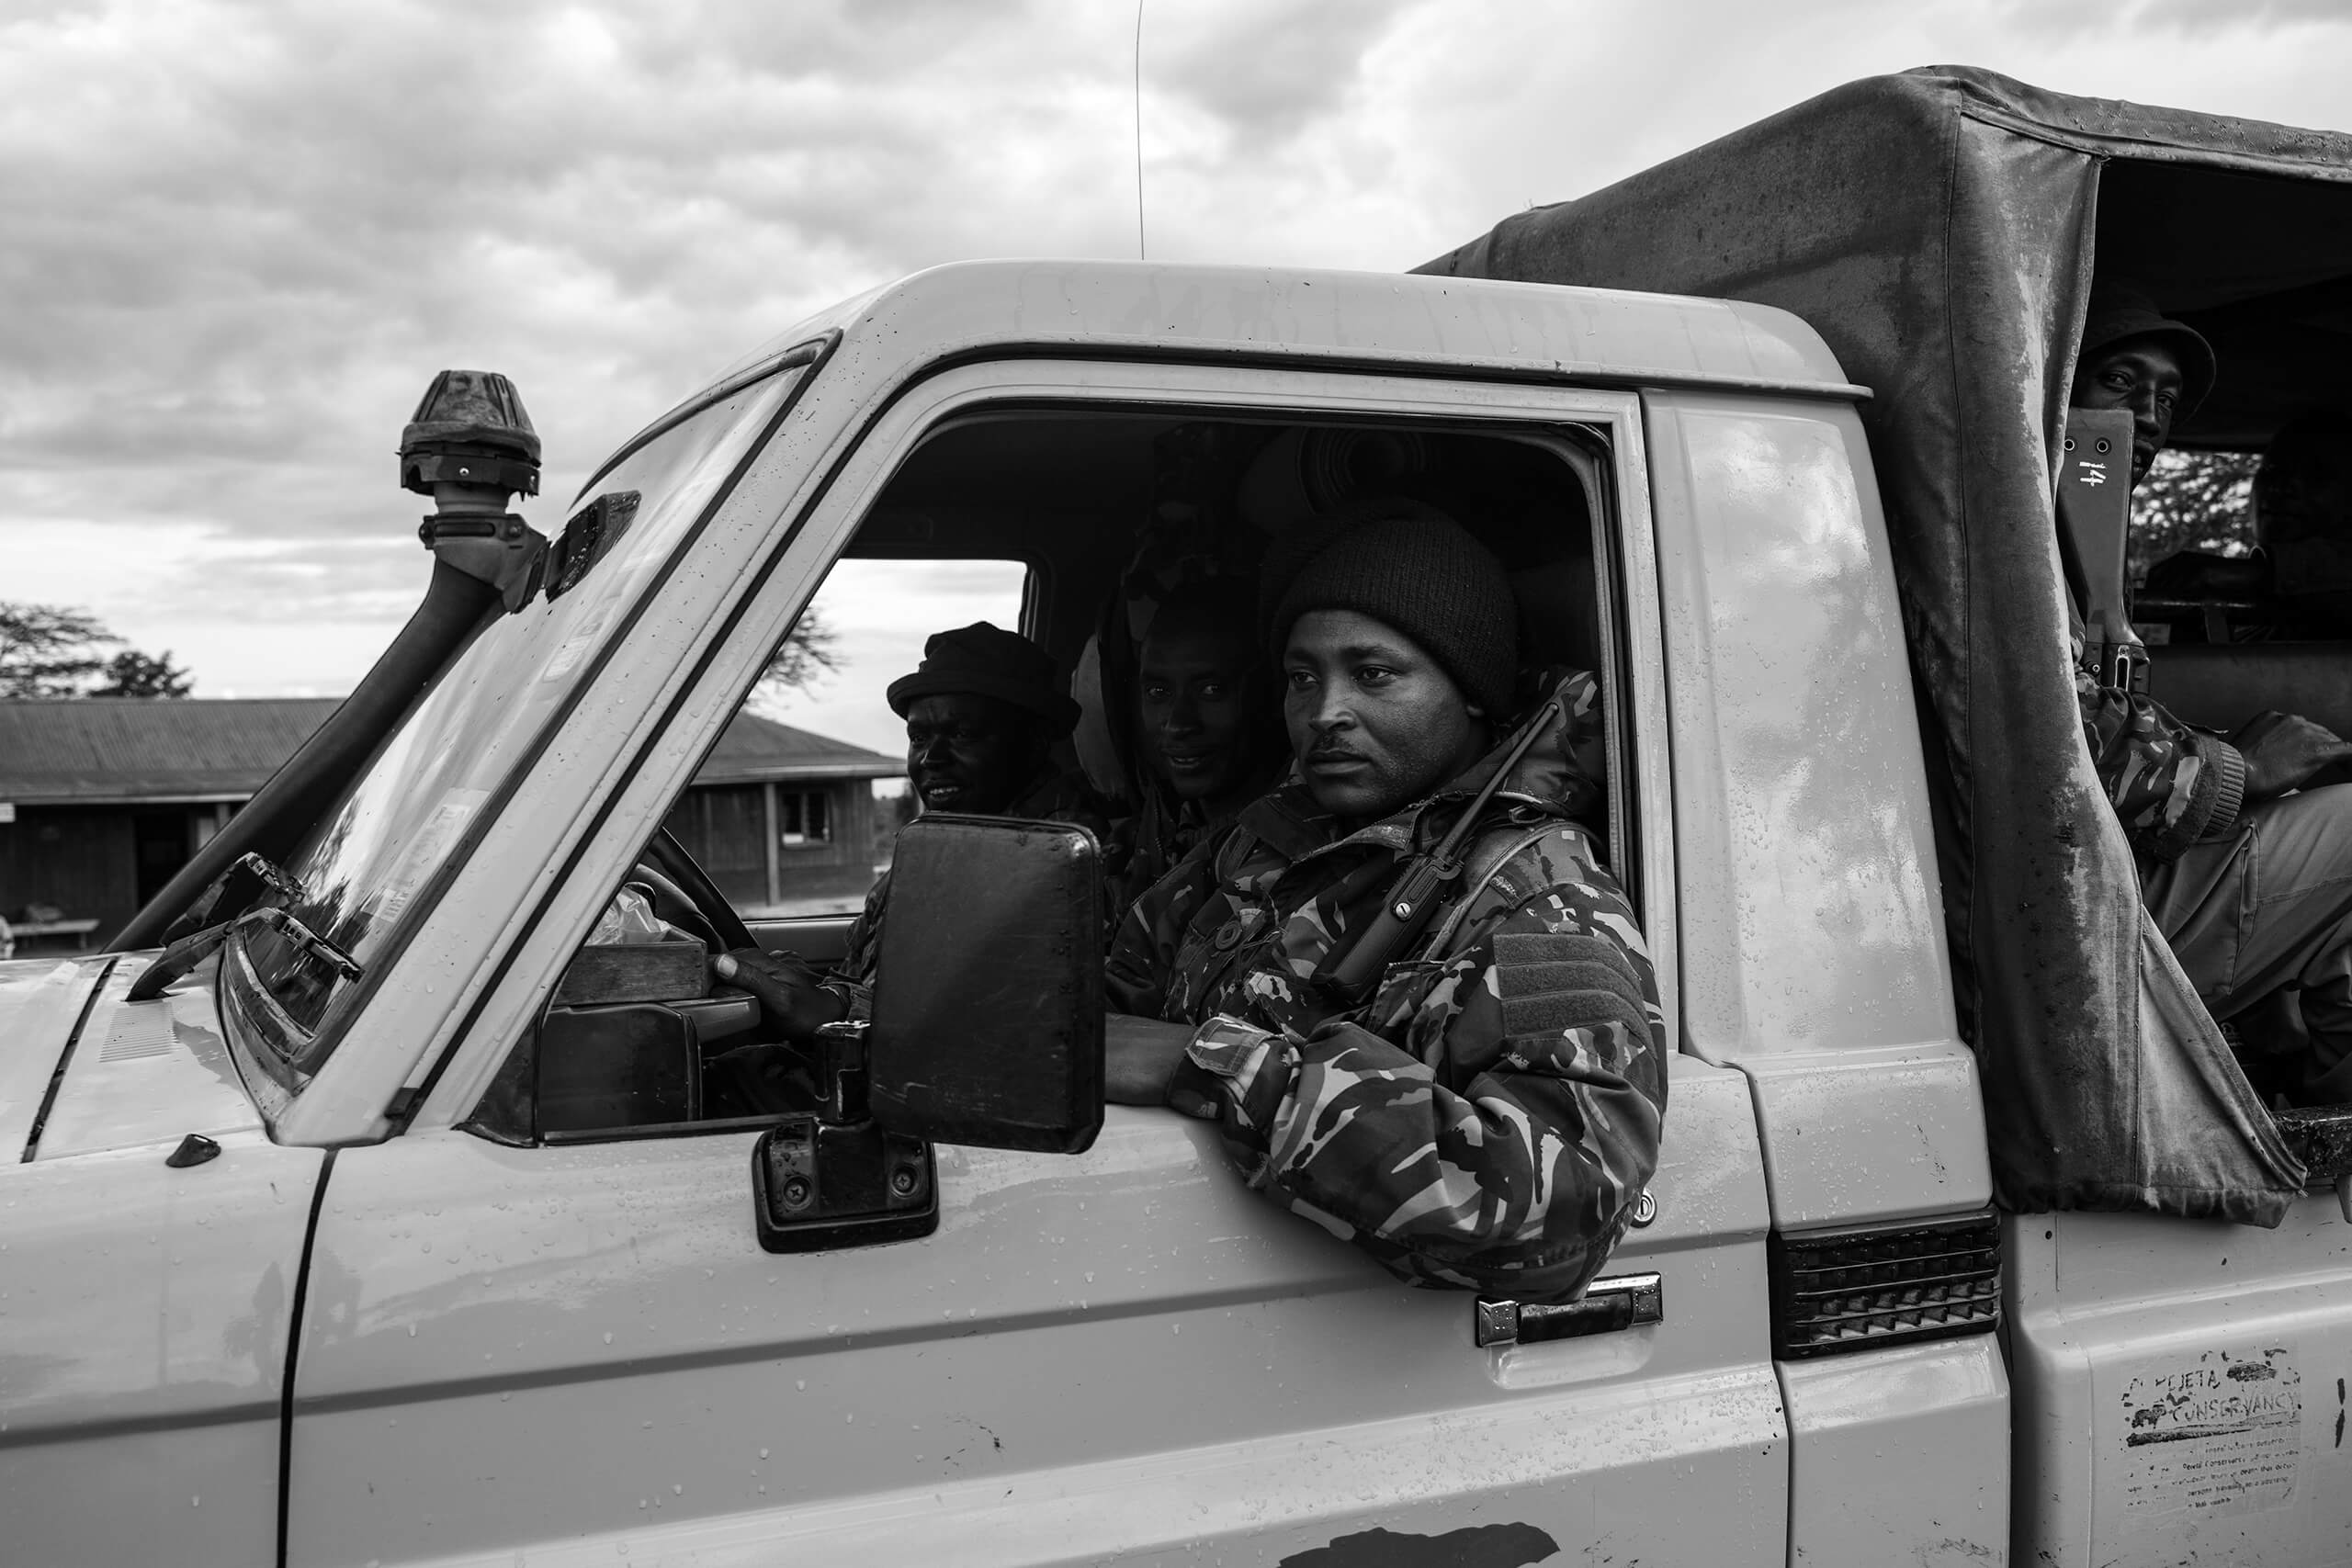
[81, 1070]
[41, 1002]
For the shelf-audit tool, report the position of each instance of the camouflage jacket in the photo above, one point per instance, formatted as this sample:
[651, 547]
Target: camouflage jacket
[1488, 1116]
[1057, 797]
[2172, 784]
[1161, 831]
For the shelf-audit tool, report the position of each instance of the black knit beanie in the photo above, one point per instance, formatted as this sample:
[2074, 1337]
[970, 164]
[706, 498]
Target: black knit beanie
[1413, 568]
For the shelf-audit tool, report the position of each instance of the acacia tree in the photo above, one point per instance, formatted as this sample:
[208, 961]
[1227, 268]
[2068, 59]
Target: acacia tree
[2192, 500]
[805, 657]
[49, 650]
[131, 673]
[53, 651]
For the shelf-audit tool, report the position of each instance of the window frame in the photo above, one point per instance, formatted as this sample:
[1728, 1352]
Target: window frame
[797, 801]
[804, 548]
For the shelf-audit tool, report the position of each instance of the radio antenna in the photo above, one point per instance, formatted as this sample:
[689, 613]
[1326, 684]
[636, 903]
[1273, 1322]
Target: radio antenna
[1141, 255]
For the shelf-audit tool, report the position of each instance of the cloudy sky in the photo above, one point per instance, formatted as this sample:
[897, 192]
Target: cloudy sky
[239, 238]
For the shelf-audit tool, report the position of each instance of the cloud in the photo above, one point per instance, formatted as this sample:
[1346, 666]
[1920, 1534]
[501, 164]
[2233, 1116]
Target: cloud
[2190, 18]
[243, 237]
[1265, 71]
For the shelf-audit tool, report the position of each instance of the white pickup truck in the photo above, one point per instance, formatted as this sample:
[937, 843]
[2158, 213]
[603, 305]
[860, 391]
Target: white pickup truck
[356, 1243]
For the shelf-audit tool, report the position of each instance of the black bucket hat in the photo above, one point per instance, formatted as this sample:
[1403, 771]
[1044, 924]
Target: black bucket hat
[988, 661]
[2119, 311]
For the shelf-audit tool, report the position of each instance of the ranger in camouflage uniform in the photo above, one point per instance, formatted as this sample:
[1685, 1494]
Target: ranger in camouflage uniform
[1206, 738]
[2248, 872]
[1486, 1116]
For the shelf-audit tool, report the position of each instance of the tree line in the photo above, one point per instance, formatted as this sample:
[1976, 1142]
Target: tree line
[2192, 500]
[52, 650]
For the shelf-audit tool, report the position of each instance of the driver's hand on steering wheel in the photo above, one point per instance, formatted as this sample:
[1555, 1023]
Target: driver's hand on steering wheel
[791, 991]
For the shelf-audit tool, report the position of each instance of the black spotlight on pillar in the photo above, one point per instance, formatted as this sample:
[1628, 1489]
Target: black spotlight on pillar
[469, 448]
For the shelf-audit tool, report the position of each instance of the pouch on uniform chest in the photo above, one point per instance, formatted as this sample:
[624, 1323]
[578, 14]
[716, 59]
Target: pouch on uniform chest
[1251, 950]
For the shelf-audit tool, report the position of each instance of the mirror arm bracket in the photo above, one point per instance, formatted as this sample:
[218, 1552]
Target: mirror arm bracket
[835, 1178]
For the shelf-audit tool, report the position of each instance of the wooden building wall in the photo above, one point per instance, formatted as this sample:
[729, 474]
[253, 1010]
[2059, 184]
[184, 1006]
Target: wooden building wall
[754, 842]
[98, 863]
[103, 862]
[80, 858]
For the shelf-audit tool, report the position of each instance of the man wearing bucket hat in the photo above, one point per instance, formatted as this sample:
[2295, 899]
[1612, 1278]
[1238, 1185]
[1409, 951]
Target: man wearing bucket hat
[984, 711]
[2133, 357]
[2248, 873]
[1472, 1090]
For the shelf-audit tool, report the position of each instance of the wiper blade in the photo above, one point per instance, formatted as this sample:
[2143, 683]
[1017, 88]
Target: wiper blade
[198, 945]
[312, 944]
[248, 879]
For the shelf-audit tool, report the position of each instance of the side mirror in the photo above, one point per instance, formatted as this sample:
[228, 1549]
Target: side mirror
[987, 991]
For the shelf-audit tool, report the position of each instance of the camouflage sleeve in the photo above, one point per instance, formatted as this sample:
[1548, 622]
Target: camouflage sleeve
[2171, 785]
[1143, 951]
[853, 977]
[1501, 1145]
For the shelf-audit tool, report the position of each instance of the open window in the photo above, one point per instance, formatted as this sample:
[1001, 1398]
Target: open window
[1070, 524]
[792, 811]
[2263, 268]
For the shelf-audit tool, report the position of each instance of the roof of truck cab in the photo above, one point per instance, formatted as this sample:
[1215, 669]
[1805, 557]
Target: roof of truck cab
[1295, 315]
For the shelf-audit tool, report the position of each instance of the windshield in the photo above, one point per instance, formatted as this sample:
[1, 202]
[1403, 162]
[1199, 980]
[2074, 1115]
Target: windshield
[371, 864]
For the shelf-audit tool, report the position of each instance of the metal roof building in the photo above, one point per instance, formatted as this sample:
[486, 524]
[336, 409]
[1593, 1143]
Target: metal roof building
[84, 750]
[102, 799]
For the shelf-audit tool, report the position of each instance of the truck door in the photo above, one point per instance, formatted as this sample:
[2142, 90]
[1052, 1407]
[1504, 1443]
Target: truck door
[574, 1342]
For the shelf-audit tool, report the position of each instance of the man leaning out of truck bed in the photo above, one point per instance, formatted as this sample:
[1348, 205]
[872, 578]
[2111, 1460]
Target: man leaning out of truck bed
[1485, 1112]
[2248, 873]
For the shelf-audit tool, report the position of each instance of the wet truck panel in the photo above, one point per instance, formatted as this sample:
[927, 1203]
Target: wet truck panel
[1813, 952]
[2181, 1387]
[144, 1319]
[1118, 1354]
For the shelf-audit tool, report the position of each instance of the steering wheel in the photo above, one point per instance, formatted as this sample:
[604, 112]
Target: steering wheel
[728, 930]
[675, 870]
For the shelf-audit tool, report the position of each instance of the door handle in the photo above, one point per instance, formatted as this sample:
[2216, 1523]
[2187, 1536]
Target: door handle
[1623, 1301]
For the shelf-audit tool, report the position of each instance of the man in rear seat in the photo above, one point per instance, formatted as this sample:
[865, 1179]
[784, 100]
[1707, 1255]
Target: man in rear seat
[1207, 737]
[2247, 874]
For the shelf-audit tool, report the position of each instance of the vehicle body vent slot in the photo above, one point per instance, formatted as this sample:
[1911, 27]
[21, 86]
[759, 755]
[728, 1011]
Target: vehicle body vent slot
[1886, 1284]
[139, 1032]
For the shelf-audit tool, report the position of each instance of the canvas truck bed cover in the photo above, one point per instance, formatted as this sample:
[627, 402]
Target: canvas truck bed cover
[1940, 229]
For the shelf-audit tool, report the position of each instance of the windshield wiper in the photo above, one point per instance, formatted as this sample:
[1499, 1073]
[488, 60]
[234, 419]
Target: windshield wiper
[196, 946]
[312, 944]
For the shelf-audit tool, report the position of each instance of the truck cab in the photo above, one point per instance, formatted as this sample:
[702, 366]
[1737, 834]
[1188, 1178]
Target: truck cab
[492, 1333]
[305, 1259]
